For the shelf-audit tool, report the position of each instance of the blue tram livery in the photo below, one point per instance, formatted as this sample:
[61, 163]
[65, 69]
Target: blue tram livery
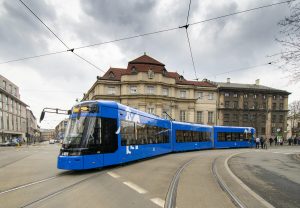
[103, 133]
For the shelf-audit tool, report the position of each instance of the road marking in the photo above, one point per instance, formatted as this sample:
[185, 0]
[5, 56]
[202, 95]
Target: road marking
[29, 184]
[158, 201]
[277, 152]
[255, 195]
[135, 187]
[114, 175]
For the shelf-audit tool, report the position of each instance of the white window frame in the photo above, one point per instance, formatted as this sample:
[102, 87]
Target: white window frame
[200, 95]
[133, 89]
[210, 96]
[111, 90]
[165, 91]
[150, 89]
[182, 115]
[182, 93]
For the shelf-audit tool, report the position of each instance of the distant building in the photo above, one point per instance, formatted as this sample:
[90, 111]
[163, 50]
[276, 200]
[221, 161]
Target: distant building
[147, 85]
[293, 125]
[261, 107]
[12, 112]
[60, 129]
[47, 134]
[32, 134]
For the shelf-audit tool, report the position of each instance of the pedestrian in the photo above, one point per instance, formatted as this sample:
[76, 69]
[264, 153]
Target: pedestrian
[271, 141]
[257, 140]
[276, 140]
[295, 140]
[290, 141]
[262, 141]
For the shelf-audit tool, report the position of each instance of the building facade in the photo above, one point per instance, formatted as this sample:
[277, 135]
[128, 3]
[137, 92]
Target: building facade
[147, 85]
[13, 122]
[60, 129]
[47, 134]
[255, 105]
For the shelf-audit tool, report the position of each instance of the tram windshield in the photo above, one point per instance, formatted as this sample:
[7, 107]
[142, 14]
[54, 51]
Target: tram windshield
[94, 133]
[78, 130]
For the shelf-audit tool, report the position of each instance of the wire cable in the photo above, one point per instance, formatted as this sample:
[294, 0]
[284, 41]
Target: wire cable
[191, 53]
[187, 18]
[147, 34]
[69, 49]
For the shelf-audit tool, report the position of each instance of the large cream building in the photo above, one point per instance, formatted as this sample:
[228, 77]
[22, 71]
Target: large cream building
[147, 85]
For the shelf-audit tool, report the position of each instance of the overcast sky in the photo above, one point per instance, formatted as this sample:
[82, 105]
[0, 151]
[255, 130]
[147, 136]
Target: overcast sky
[219, 46]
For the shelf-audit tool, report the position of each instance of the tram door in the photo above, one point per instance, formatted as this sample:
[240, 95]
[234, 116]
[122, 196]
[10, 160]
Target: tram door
[109, 140]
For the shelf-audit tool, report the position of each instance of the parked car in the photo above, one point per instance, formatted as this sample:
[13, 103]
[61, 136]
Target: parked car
[9, 144]
[51, 141]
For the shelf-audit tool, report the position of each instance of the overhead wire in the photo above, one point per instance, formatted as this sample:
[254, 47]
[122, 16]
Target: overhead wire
[69, 49]
[145, 34]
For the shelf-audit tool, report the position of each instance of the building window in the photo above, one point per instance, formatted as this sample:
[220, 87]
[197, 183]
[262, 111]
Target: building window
[274, 97]
[150, 89]
[235, 104]
[264, 97]
[245, 95]
[235, 117]
[274, 106]
[226, 94]
[227, 104]
[4, 84]
[199, 116]
[210, 96]
[1, 101]
[133, 70]
[111, 90]
[245, 105]
[133, 89]
[210, 117]
[9, 88]
[263, 130]
[254, 96]
[165, 91]
[200, 95]
[235, 95]
[226, 117]
[165, 113]
[281, 106]
[273, 118]
[182, 94]
[151, 110]
[182, 115]
[245, 117]
[280, 118]
[280, 97]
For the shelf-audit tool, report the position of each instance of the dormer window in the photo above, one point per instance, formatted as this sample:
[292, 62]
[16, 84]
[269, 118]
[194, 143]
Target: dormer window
[164, 71]
[150, 74]
[133, 70]
[111, 75]
[181, 78]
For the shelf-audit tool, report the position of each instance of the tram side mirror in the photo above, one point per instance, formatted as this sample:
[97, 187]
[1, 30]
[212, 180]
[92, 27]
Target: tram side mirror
[42, 116]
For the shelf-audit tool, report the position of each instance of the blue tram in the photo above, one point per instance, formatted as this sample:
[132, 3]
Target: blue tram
[187, 136]
[233, 137]
[103, 133]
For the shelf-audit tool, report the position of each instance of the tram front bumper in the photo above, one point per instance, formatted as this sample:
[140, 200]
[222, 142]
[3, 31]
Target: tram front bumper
[70, 162]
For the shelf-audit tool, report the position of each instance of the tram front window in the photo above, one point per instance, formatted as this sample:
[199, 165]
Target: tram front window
[91, 135]
[78, 131]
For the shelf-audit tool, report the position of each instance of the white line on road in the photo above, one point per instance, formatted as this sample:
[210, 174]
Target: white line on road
[29, 184]
[158, 201]
[114, 175]
[135, 187]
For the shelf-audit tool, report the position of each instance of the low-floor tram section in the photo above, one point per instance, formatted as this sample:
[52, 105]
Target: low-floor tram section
[104, 133]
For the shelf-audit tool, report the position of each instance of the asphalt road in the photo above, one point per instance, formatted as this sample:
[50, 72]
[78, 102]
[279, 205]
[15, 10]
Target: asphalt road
[29, 178]
[273, 174]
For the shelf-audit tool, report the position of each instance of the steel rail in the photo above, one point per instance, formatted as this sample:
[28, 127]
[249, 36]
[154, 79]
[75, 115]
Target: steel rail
[224, 187]
[170, 201]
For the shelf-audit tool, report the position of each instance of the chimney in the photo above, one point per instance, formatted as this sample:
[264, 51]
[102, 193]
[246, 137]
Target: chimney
[228, 80]
[257, 82]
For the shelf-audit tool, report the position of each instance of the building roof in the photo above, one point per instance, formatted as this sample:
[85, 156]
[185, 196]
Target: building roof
[226, 85]
[144, 59]
[146, 63]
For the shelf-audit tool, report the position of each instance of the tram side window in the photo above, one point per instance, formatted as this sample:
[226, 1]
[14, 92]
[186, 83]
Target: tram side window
[196, 136]
[242, 137]
[141, 133]
[235, 136]
[163, 135]
[221, 137]
[179, 136]
[228, 136]
[127, 133]
[187, 136]
[152, 134]
[207, 136]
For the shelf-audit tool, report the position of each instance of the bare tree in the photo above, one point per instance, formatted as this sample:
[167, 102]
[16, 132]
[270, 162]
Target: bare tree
[290, 41]
[294, 113]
